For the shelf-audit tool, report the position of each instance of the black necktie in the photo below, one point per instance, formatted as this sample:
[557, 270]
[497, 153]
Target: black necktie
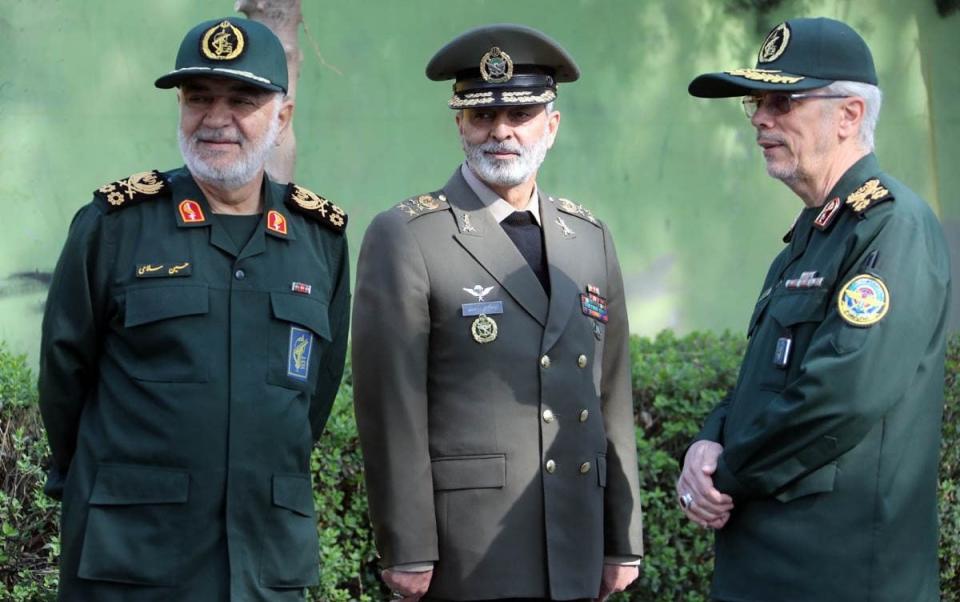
[526, 235]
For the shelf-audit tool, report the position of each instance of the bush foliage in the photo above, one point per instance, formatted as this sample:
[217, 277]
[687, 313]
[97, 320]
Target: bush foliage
[676, 380]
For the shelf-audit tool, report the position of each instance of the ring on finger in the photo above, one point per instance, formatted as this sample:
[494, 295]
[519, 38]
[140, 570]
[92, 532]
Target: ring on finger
[686, 500]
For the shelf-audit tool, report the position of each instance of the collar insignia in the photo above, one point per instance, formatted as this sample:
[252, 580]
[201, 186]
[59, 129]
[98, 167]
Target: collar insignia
[276, 222]
[191, 212]
[868, 195]
[496, 66]
[827, 214]
[223, 42]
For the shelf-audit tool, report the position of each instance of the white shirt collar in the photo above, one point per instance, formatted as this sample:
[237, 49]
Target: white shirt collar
[499, 208]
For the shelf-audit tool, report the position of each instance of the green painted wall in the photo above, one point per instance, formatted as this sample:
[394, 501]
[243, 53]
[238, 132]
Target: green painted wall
[679, 179]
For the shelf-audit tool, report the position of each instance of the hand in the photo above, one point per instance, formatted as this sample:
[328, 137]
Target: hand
[708, 507]
[411, 585]
[616, 578]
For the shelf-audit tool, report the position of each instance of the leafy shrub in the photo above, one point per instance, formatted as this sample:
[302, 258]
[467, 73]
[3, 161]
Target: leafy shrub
[676, 380]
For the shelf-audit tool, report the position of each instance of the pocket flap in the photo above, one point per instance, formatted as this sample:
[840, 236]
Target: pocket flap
[303, 310]
[469, 472]
[120, 485]
[293, 492]
[821, 480]
[794, 308]
[150, 304]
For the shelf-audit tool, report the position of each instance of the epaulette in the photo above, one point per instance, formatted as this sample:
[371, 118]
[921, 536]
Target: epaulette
[315, 207]
[137, 188]
[568, 206]
[869, 195]
[423, 204]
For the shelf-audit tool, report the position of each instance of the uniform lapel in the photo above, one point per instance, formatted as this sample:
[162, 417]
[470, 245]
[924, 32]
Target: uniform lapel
[193, 211]
[486, 241]
[563, 259]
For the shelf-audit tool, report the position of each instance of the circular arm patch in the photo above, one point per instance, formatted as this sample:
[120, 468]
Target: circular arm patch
[863, 300]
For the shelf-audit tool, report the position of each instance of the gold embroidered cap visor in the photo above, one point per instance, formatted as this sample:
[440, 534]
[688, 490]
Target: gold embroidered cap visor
[797, 55]
[232, 48]
[502, 65]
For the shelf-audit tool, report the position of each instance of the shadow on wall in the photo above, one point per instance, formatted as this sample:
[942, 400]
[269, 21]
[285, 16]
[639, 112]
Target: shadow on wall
[26, 283]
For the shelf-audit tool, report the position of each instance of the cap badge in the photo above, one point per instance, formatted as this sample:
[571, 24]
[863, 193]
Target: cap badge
[496, 66]
[223, 42]
[775, 44]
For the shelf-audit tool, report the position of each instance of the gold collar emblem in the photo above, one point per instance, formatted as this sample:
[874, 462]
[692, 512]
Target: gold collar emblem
[223, 42]
[496, 66]
[775, 44]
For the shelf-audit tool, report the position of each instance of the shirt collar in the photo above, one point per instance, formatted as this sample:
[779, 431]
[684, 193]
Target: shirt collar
[499, 208]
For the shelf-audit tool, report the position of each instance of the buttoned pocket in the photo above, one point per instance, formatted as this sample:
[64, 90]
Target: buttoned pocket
[163, 331]
[135, 525]
[290, 552]
[485, 471]
[299, 331]
[785, 337]
[822, 480]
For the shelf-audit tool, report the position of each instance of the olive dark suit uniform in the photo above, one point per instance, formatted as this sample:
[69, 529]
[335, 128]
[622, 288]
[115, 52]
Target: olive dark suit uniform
[511, 464]
[183, 381]
[831, 459]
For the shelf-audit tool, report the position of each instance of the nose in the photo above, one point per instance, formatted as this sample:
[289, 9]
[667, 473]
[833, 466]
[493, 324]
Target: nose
[763, 118]
[501, 129]
[218, 114]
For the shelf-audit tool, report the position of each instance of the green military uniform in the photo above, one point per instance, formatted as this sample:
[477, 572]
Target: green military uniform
[511, 463]
[831, 436]
[180, 401]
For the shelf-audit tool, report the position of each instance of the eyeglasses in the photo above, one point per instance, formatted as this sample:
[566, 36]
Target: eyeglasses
[779, 103]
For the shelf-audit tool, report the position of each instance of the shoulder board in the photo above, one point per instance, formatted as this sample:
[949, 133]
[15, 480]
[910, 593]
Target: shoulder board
[872, 193]
[137, 188]
[568, 206]
[423, 204]
[314, 206]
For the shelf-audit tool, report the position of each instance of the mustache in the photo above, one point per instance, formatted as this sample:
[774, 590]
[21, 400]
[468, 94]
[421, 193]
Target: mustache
[217, 135]
[774, 138]
[502, 147]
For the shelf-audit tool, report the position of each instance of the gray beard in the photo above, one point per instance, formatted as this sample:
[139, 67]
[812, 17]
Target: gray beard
[237, 174]
[505, 173]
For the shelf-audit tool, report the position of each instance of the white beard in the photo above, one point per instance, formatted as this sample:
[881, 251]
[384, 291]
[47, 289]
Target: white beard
[510, 172]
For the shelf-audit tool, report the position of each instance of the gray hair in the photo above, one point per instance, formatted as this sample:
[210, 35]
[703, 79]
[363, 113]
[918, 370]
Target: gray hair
[872, 99]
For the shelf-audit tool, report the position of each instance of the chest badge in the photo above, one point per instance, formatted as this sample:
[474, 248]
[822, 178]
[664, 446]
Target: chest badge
[191, 212]
[484, 329]
[593, 305]
[276, 222]
[301, 288]
[863, 301]
[482, 306]
[298, 353]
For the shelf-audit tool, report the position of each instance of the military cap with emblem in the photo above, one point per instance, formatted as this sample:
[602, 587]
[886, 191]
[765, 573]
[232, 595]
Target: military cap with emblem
[233, 48]
[797, 55]
[502, 65]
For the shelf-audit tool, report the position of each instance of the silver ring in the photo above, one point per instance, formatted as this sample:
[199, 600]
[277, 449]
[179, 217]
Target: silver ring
[686, 500]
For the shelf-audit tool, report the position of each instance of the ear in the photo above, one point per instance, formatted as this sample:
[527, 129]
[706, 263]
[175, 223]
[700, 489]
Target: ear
[458, 118]
[553, 126]
[285, 115]
[851, 117]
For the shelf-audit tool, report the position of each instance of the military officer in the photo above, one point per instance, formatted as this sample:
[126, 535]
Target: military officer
[819, 471]
[193, 343]
[490, 357]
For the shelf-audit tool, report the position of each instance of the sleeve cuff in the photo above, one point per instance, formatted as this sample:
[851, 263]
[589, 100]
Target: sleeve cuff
[623, 560]
[412, 567]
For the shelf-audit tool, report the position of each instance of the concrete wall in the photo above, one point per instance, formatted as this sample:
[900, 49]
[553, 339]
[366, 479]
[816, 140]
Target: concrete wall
[679, 179]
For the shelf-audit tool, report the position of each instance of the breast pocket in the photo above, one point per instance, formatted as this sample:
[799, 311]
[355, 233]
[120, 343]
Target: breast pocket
[163, 332]
[793, 317]
[299, 331]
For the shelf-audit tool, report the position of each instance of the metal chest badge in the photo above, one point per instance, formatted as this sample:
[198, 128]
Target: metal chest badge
[593, 305]
[298, 353]
[484, 329]
[863, 301]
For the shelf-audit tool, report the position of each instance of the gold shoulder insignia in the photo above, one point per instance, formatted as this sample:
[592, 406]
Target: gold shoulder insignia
[568, 206]
[423, 204]
[314, 206]
[137, 188]
[871, 193]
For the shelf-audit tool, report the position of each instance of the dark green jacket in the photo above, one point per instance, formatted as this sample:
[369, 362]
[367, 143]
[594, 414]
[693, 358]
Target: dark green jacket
[182, 384]
[832, 459]
[511, 464]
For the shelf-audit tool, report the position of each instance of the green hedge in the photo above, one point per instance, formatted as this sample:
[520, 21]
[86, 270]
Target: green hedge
[676, 381]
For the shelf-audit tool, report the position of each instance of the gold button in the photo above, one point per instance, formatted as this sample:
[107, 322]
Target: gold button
[545, 361]
[551, 466]
[548, 416]
[585, 468]
[582, 361]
